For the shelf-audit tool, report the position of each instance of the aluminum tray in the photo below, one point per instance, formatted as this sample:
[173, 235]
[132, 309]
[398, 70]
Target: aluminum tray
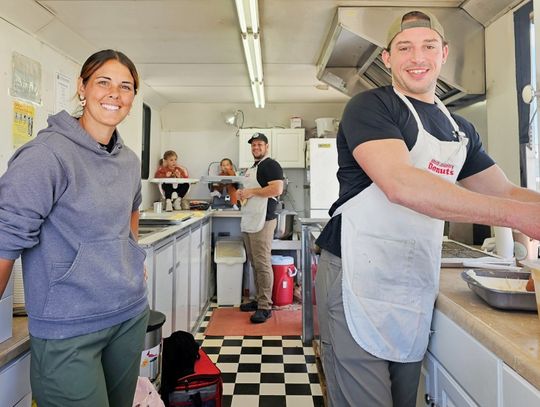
[507, 300]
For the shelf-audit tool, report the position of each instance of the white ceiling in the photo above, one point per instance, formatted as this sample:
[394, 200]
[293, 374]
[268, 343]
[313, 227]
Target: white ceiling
[190, 50]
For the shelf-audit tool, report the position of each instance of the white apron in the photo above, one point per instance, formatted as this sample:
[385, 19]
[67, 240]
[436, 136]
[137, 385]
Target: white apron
[391, 256]
[254, 210]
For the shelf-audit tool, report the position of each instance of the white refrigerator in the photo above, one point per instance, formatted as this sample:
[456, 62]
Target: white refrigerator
[322, 163]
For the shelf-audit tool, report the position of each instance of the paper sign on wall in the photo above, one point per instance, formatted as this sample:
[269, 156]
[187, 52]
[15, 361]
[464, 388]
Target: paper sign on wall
[25, 78]
[23, 123]
[62, 93]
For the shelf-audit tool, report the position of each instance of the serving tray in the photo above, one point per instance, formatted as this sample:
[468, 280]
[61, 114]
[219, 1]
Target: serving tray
[502, 299]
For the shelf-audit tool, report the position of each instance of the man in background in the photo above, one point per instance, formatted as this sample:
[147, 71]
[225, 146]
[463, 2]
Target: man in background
[264, 183]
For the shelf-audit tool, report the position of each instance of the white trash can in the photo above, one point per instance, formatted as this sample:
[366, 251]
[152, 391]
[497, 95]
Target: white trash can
[229, 256]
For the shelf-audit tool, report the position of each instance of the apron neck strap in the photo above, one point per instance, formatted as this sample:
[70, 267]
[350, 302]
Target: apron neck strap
[440, 105]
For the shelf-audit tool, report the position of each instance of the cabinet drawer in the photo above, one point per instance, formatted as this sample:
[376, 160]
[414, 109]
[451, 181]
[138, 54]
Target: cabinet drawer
[15, 380]
[517, 391]
[465, 359]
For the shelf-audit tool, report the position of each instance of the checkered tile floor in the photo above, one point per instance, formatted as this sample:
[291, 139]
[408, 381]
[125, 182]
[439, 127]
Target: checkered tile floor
[263, 371]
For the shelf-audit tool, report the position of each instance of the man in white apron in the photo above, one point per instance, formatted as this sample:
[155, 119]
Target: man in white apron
[400, 154]
[264, 183]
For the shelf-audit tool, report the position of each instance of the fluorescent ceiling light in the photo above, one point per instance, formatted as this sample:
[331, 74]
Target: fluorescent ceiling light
[251, 42]
[249, 56]
[241, 15]
[254, 14]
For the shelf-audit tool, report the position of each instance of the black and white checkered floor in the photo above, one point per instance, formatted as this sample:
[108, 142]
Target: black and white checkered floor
[263, 370]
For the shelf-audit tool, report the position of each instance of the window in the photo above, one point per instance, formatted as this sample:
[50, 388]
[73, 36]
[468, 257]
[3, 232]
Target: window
[145, 156]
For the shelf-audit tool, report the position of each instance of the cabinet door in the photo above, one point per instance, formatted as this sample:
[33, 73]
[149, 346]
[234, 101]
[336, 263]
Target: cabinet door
[181, 283]
[516, 391]
[288, 147]
[194, 276]
[149, 264]
[205, 263]
[164, 273]
[15, 380]
[450, 393]
[245, 158]
[427, 394]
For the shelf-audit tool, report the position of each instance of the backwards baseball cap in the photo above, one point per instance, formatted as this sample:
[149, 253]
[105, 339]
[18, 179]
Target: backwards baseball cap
[413, 19]
[258, 136]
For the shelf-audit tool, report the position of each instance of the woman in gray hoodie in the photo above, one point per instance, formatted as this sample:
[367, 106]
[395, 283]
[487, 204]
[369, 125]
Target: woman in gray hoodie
[69, 207]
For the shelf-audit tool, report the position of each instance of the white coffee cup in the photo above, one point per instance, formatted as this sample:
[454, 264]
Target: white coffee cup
[504, 242]
[158, 207]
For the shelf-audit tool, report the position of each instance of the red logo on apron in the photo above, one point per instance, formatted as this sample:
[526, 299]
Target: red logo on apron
[440, 168]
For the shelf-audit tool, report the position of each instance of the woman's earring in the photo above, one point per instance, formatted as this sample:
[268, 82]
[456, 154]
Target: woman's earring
[82, 101]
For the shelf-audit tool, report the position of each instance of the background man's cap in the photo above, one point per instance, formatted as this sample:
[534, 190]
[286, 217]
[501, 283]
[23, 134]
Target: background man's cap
[258, 136]
[429, 21]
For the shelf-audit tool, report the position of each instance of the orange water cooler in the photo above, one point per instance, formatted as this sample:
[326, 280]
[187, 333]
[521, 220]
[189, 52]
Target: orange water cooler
[284, 271]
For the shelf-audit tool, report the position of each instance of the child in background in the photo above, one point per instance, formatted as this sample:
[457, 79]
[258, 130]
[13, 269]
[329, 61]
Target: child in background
[169, 168]
[227, 168]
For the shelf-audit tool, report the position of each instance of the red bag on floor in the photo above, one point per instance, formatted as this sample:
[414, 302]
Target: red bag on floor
[204, 388]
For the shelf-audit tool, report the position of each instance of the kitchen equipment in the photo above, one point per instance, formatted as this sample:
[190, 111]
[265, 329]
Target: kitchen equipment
[224, 200]
[503, 299]
[284, 224]
[322, 162]
[326, 126]
[151, 355]
[456, 254]
[164, 218]
[158, 206]
[284, 271]
[525, 247]
[350, 59]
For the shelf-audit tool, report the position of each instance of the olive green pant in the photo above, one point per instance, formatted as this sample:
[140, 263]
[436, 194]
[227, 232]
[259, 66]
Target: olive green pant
[97, 369]
[259, 251]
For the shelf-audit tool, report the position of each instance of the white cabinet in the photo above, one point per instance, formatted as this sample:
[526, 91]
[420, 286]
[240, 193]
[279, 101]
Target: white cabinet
[286, 147]
[15, 382]
[517, 391]
[206, 247]
[449, 392]
[164, 283]
[460, 371]
[178, 276]
[194, 276]
[181, 283]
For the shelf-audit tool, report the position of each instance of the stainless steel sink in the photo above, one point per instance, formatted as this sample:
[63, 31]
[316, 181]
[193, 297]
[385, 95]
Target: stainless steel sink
[146, 230]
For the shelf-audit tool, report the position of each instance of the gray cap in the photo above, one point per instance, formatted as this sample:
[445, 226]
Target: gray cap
[415, 18]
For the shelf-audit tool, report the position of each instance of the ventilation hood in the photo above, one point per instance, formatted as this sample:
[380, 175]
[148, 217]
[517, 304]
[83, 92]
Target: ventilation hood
[351, 61]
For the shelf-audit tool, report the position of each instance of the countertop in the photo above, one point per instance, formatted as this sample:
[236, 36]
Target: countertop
[196, 216]
[512, 336]
[17, 344]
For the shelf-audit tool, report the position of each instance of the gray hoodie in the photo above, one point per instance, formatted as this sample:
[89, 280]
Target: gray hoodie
[65, 207]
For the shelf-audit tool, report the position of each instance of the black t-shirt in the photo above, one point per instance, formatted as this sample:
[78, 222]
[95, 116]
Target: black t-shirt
[380, 114]
[269, 170]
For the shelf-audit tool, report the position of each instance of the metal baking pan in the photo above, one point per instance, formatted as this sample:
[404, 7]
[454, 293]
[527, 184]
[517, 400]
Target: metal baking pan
[507, 300]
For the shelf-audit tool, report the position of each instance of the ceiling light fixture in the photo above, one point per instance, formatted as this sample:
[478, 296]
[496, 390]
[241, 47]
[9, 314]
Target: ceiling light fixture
[248, 19]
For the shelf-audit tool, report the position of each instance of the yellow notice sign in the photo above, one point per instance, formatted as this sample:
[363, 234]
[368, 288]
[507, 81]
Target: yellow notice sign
[23, 123]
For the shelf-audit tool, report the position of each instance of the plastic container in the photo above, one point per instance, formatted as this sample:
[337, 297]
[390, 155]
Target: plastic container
[229, 256]
[284, 271]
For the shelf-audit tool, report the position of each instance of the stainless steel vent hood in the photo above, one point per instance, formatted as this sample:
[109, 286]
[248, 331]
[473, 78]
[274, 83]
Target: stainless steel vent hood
[350, 60]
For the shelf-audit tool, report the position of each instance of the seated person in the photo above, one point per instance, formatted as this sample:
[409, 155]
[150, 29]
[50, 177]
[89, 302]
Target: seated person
[168, 168]
[227, 168]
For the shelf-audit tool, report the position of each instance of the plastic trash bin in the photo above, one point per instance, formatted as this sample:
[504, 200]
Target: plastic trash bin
[229, 256]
